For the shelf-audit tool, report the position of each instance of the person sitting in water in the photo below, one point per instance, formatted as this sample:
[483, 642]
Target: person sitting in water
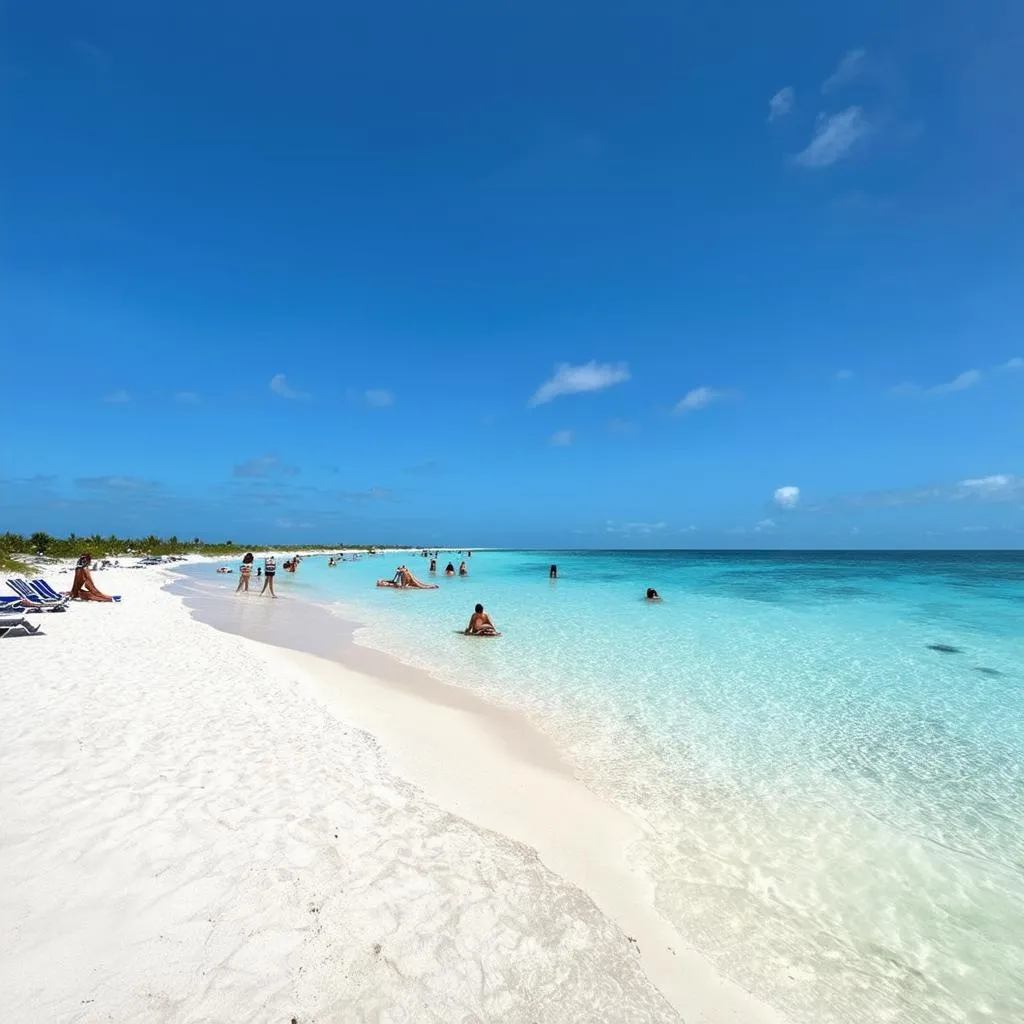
[463, 571]
[553, 572]
[433, 565]
[83, 588]
[652, 594]
[480, 623]
[449, 569]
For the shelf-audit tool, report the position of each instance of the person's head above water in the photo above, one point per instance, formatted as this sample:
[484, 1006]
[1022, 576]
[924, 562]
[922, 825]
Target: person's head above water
[479, 609]
[652, 594]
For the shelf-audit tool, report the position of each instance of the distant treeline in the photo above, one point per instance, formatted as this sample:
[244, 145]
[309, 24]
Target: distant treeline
[14, 544]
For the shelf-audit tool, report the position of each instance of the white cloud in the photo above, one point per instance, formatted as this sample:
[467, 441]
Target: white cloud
[781, 103]
[787, 497]
[991, 486]
[561, 438]
[118, 397]
[1013, 364]
[844, 374]
[850, 67]
[961, 382]
[572, 380]
[688, 529]
[698, 398]
[378, 398]
[765, 526]
[187, 397]
[631, 528]
[835, 137]
[280, 386]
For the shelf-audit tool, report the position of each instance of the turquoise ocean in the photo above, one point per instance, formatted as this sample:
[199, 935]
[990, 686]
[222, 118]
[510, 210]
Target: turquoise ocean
[825, 751]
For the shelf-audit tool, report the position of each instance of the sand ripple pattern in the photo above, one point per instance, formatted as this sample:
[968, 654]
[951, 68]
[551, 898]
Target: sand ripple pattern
[187, 836]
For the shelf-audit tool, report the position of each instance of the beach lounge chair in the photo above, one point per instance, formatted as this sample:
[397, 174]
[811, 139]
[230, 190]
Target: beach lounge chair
[24, 590]
[47, 593]
[15, 625]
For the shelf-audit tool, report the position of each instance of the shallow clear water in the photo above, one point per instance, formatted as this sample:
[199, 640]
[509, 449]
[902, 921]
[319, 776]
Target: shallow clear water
[833, 809]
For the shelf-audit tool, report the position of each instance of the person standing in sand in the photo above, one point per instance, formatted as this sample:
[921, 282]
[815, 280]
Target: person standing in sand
[244, 573]
[269, 571]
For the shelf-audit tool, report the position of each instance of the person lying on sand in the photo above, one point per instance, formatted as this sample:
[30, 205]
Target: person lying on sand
[480, 623]
[83, 588]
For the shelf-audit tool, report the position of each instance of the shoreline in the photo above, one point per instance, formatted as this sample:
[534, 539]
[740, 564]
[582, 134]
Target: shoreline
[441, 738]
[189, 836]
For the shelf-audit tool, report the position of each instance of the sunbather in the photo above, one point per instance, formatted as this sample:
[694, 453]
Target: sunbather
[83, 588]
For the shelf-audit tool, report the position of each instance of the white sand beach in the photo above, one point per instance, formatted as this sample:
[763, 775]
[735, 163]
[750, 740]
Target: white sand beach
[201, 827]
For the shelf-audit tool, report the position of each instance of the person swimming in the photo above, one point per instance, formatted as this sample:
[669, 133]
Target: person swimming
[463, 571]
[652, 595]
[449, 569]
[553, 572]
[480, 623]
[433, 565]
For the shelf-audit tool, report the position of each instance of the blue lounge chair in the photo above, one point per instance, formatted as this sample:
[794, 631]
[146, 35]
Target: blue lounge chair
[12, 625]
[47, 592]
[35, 597]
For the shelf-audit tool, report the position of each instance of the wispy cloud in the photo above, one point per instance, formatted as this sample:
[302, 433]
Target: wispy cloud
[572, 380]
[115, 483]
[961, 382]
[378, 398]
[850, 68]
[285, 523]
[372, 494]
[280, 386]
[996, 487]
[561, 438]
[644, 529]
[187, 397]
[999, 485]
[429, 467]
[119, 397]
[835, 138]
[623, 428]
[844, 375]
[698, 398]
[786, 497]
[688, 529]
[264, 465]
[781, 103]
[764, 526]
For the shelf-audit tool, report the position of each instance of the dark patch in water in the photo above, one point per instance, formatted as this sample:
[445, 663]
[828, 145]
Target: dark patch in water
[945, 649]
[987, 671]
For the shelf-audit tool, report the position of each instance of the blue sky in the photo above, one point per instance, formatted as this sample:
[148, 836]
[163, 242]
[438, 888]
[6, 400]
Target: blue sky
[522, 274]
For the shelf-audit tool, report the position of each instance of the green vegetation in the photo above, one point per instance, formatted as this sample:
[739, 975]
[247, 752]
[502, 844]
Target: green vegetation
[13, 545]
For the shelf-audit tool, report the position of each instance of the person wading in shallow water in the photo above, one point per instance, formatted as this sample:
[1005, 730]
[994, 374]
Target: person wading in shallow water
[269, 571]
[245, 573]
[480, 623]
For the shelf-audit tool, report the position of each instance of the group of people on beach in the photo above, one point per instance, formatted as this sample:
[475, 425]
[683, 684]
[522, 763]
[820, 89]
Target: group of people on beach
[268, 571]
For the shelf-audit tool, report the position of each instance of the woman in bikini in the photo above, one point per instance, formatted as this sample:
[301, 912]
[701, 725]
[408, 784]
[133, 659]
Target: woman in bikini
[83, 588]
[245, 573]
[480, 623]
